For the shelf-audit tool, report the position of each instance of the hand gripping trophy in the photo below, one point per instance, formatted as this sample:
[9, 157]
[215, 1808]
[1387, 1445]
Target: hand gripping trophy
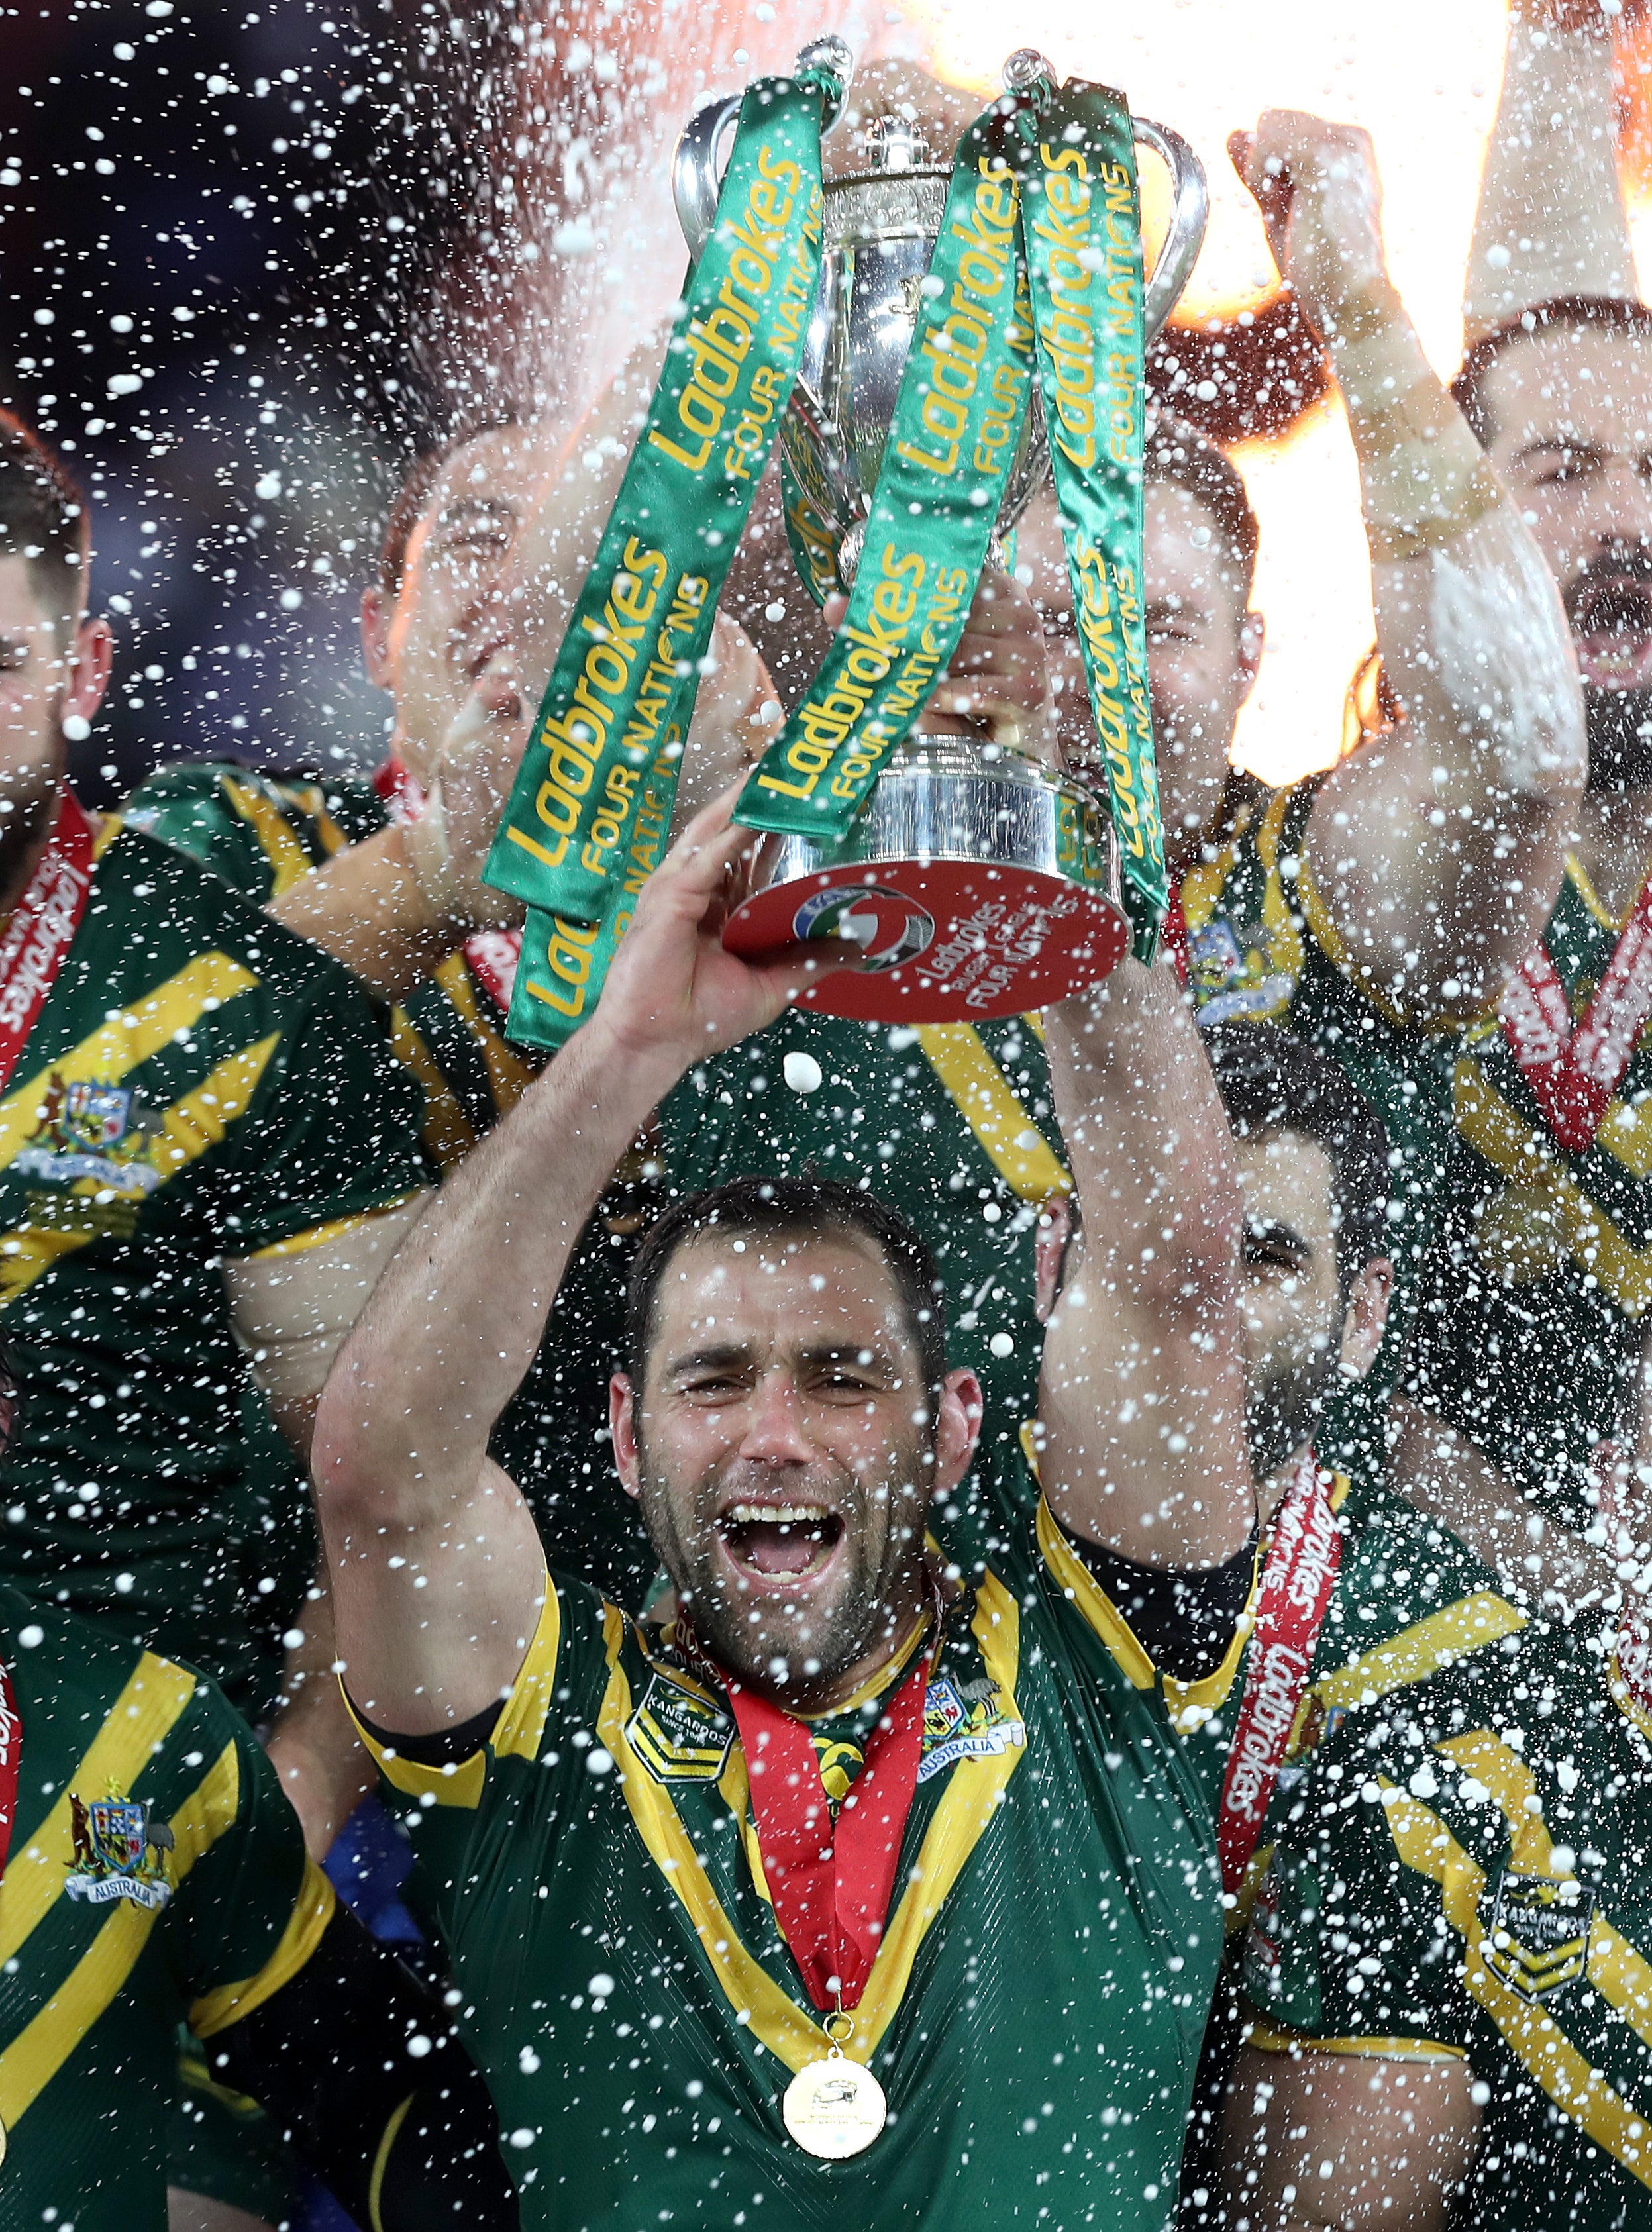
[927, 341]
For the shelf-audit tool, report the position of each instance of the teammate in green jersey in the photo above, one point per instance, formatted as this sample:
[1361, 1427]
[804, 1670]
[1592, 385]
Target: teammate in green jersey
[152, 1874]
[648, 1962]
[1537, 1238]
[205, 1148]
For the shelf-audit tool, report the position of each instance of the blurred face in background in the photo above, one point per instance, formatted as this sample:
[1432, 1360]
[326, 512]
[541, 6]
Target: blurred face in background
[54, 669]
[1571, 420]
[1204, 647]
[449, 621]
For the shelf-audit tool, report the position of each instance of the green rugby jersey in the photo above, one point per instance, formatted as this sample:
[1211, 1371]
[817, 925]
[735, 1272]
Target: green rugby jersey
[1465, 1873]
[1035, 2010]
[1514, 1253]
[198, 1084]
[93, 1988]
[263, 833]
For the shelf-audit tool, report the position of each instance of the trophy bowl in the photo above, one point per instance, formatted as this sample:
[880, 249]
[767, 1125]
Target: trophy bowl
[978, 880]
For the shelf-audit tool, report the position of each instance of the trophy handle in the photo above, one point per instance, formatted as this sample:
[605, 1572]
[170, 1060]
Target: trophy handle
[1190, 208]
[696, 175]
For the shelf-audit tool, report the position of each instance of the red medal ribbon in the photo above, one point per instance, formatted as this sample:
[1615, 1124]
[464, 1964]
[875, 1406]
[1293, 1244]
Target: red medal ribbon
[492, 954]
[1296, 1583]
[41, 929]
[11, 1760]
[831, 1883]
[1574, 1072]
[1174, 934]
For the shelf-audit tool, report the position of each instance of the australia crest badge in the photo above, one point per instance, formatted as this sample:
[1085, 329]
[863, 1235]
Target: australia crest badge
[119, 1852]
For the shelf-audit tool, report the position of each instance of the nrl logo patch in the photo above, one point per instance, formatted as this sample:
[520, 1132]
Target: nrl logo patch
[678, 1734]
[119, 1851]
[1538, 1939]
[964, 1721]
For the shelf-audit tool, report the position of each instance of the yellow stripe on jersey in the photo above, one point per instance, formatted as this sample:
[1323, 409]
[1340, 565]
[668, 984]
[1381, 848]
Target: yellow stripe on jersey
[1426, 1846]
[1416, 1653]
[41, 2047]
[522, 1725]
[319, 1235]
[290, 863]
[509, 1076]
[312, 801]
[1510, 1145]
[187, 1129]
[1191, 1703]
[317, 1905]
[456, 1784]
[1271, 2037]
[1615, 1967]
[139, 1720]
[974, 1790]
[1013, 1143]
[115, 1048]
[200, 1120]
[447, 1131]
[381, 2158]
[1095, 1606]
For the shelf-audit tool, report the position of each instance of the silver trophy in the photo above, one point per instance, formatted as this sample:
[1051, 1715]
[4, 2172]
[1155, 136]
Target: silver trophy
[978, 880]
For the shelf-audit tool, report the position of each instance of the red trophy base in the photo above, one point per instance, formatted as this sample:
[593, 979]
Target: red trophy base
[943, 941]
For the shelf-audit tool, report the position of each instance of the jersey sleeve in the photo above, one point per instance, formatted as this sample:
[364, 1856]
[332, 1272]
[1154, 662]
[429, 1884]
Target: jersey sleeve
[333, 1133]
[247, 827]
[1346, 1949]
[249, 1906]
[445, 1807]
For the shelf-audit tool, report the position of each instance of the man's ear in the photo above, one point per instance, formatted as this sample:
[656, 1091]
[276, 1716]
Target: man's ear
[1253, 640]
[377, 620]
[1050, 1253]
[90, 661]
[958, 1428]
[1366, 1317]
[622, 1425]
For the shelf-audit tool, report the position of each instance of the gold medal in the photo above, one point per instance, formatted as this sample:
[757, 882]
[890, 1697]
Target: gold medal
[834, 2108]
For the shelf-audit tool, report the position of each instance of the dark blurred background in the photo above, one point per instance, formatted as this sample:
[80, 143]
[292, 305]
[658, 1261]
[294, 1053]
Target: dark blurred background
[253, 255]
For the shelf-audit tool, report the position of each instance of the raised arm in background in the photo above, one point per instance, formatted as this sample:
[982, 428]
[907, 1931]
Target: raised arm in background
[1436, 851]
[1142, 1396]
[1550, 220]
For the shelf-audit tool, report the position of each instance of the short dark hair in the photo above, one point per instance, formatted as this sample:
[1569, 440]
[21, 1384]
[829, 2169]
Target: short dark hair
[1271, 1080]
[1612, 313]
[1178, 453]
[415, 492]
[44, 518]
[766, 1207]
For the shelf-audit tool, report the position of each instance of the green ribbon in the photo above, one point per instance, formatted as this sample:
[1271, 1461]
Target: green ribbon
[628, 667]
[953, 436]
[1082, 224]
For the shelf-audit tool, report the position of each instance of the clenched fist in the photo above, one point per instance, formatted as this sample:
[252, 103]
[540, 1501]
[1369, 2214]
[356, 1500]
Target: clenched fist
[1316, 184]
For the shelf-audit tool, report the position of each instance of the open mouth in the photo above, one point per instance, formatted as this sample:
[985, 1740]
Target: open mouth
[1611, 621]
[780, 1542]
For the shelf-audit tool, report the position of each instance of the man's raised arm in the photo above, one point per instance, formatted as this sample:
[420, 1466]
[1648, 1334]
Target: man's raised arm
[1550, 220]
[1435, 852]
[1141, 1398]
[436, 1569]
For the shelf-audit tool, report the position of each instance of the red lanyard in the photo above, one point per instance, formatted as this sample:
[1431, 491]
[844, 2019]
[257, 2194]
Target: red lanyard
[1292, 1604]
[11, 1760]
[831, 1884]
[1574, 1072]
[41, 929]
[492, 954]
